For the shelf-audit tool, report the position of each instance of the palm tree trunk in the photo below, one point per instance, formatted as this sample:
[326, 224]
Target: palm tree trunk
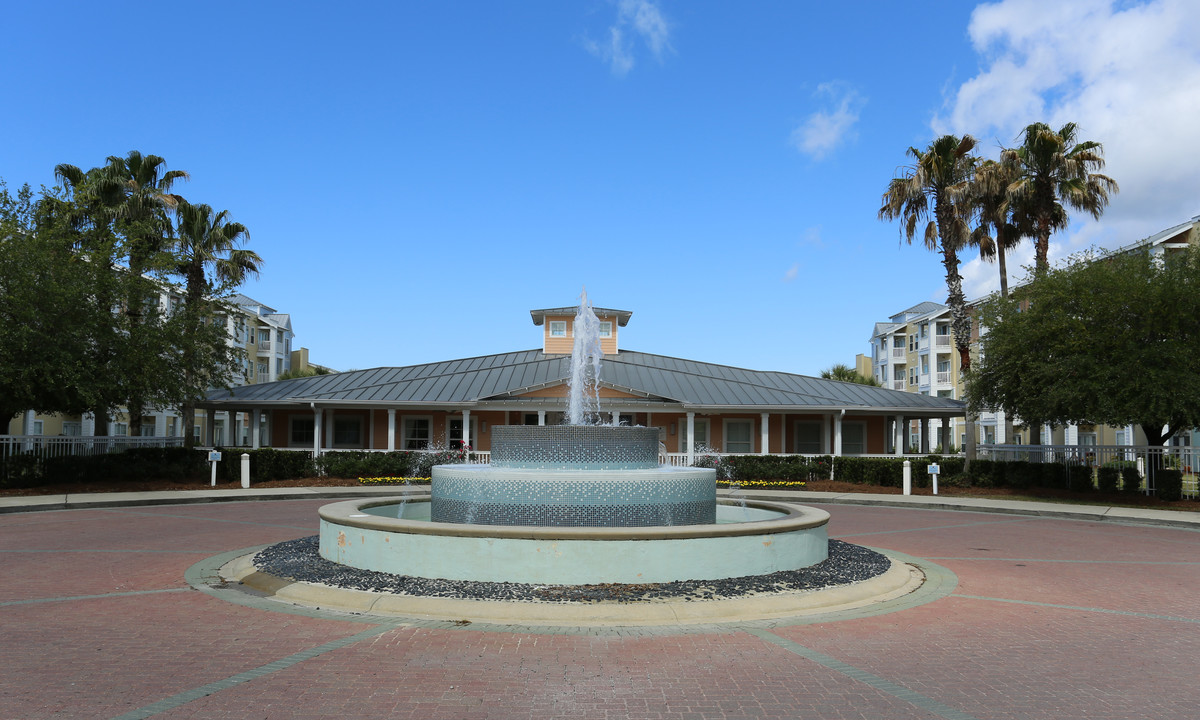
[960, 327]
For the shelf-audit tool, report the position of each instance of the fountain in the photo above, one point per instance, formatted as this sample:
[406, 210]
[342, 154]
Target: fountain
[576, 504]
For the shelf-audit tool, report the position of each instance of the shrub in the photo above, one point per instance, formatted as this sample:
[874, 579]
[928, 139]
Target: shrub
[1109, 478]
[265, 464]
[1054, 475]
[1131, 481]
[1168, 484]
[796, 468]
[1022, 474]
[1079, 478]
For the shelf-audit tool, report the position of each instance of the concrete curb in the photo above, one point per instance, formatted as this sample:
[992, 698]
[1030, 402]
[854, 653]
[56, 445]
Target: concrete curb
[1096, 513]
[899, 580]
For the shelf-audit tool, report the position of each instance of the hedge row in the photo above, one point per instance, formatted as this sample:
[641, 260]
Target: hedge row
[173, 463]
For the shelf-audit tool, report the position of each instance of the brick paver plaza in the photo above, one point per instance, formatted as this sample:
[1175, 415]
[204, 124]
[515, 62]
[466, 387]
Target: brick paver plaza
[1050, 618]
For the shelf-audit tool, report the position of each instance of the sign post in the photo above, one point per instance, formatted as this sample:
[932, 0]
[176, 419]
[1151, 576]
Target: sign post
[215, 457]
[933, 473]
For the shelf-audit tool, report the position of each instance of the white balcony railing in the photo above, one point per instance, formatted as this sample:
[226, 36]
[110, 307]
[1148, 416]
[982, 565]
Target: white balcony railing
[898, 352]
[942, 341]
[943, 378]
[925, 378]
[897, 384]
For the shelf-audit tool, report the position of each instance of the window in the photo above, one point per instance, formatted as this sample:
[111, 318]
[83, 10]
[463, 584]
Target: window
[262, 371]
[264, 337]
[303, 431]
[455, 431]
[854, 438]
[347, 432]
[699, 431]
[279, 336]
[172, 423]
[38, 427]
[558, 328]
[808, 438]
[606, 329]
[278, 366]
[120, 429]
[72, 429]
[739, 436]
[147, 428]
[418, 431]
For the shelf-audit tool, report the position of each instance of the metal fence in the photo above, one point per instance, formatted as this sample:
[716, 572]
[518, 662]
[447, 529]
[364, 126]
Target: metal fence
[1142, 457]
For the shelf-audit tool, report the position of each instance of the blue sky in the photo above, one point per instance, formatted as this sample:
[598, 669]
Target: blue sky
[418, 176]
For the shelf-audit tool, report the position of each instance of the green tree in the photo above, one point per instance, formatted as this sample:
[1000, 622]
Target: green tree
[210, 263]
[845, 373]
[931, 198]
[51, 325]
[1108, 339]
[1053, 169]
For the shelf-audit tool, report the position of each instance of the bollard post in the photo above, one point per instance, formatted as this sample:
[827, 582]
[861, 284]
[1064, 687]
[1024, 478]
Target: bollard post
[245, 470]
[908, 477]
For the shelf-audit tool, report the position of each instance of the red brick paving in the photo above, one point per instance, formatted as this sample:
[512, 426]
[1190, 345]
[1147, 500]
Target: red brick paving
[985, 659]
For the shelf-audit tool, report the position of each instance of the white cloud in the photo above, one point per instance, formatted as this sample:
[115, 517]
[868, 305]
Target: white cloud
[1126, 73]
[825, 129]
[791, 273]
[636, 20]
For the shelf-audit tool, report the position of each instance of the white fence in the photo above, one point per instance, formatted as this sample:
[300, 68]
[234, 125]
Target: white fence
[44, 446]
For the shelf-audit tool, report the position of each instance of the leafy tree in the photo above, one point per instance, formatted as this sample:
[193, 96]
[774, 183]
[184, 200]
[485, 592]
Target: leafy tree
[1107, 340]
[310, 371]
[1052, 170]
[845, 373]
[51, 326]
[211, 263]
[931, 197]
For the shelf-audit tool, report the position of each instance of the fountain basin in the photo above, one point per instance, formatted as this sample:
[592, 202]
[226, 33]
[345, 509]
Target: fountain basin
[761, 538]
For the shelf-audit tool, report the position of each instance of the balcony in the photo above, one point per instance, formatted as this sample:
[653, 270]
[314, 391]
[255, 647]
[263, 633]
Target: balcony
[942, 341]
[898, 352]
[897, 384]
[943, 378]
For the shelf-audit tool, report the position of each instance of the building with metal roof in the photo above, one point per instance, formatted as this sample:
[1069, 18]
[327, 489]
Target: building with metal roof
[694, 404]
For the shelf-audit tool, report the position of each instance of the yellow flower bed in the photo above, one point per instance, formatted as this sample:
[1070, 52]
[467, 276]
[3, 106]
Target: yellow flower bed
[792, 484]
[391, 480]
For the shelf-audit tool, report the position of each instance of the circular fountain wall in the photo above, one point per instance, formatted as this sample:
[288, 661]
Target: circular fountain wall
[573, 476]
[757, 539]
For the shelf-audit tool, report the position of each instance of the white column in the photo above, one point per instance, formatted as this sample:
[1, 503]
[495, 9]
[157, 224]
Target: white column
[765, 434]
[837, 434]
[466, 438]
[256, 423]
[317, 420]
[901, 434]
[391, 429]
[541, 417]
[691, 437]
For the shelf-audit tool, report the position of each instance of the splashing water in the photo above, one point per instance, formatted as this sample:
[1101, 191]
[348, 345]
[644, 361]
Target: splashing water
[583, 387]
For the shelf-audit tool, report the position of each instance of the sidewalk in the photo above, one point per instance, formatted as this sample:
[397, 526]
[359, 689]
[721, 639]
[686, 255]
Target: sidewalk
[1106, 513]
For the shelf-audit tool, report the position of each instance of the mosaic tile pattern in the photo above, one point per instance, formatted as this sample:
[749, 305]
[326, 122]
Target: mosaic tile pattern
[582, 447]
[617, 498]
[555, 515]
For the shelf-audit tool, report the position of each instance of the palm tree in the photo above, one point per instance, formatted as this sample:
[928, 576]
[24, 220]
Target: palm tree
[210, 262]
[994, 211]
[931, 197]
[845, 373]
[1051, 170]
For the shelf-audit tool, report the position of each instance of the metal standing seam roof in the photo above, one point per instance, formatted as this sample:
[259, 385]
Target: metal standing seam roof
[687, 383]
